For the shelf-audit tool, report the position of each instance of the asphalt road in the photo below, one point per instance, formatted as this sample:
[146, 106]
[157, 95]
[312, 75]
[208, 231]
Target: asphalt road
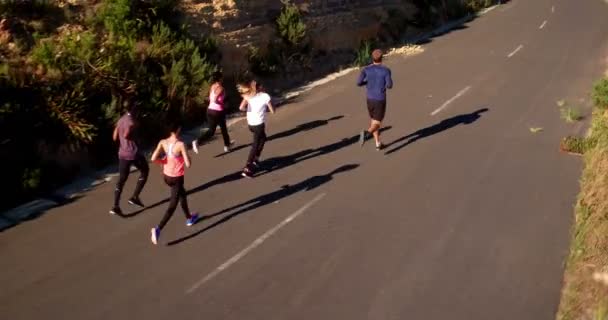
[465, 215]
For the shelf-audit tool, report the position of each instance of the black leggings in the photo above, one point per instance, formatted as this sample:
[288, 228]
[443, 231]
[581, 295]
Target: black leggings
[177, 193]
[259, 139]
[124, 168]
[215, 118]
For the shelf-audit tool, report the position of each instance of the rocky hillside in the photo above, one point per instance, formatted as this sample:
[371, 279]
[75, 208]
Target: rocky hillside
[331, 24]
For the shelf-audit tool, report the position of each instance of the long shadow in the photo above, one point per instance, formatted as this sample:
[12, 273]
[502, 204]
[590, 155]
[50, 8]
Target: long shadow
[277, 163]
[225, 179]
[435, 129]
[267, 166]
[263, 200]
[300, 128]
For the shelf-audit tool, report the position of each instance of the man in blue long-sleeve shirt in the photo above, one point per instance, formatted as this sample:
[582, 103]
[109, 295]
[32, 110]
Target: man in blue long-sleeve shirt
[377, 78]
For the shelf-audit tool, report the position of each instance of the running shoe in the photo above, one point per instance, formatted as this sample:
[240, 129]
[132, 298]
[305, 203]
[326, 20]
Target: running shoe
[155, 235]
[192, 220]
[362, 138]
[136, 202]
[247, 173]
[195, 146]
[228, 148]
[379, 146]
[116, 210]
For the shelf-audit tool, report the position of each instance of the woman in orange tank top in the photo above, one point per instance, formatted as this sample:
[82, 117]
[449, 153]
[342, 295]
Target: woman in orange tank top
[174, 162]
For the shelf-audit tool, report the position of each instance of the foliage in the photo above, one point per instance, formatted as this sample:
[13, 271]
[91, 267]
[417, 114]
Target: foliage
[364, 54]
[584, 294]
[70, 88]
[574, 145]
[600, 94]
[291, 51]
[290, 25]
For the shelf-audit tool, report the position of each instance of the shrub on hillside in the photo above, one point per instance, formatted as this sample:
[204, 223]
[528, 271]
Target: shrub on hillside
[291, 52]
[70, 88]
[364, 54]
[291, 26]
[600, 94]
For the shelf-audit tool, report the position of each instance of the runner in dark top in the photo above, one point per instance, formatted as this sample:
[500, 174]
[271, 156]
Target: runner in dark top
[129, 154]
[377, 79]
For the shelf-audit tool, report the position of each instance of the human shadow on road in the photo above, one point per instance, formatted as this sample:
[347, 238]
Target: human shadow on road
[225, 179]
[267, 166]
[299, 128]
[434, 129]
[276, 163]
[266, 199]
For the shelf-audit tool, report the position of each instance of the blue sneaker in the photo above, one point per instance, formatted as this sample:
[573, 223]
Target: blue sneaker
[155, 235]
[192, 220]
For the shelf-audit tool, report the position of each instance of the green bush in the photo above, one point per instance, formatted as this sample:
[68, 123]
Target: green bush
[600, 94]
[70, 88]
[31, 179]
[364, 54]
[290, 25]
[573, 144]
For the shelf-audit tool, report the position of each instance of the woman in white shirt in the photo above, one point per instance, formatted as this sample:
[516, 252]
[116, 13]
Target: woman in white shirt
[256, 103]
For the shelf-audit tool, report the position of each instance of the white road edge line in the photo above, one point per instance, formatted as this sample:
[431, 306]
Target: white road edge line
[458, 95]
[543, 25]
[254, 244]
[515, 51]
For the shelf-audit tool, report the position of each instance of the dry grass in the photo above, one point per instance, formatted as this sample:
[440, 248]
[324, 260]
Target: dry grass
[585, 293]
[406, 50]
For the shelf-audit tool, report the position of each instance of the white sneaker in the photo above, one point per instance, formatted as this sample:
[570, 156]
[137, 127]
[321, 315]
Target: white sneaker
[195, 146]
[228, 148]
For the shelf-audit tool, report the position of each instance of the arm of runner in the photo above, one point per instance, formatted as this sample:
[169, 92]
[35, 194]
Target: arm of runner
[270, 107]
[115, 133]
[185, 155]
[362, 78]
[243, 105]
[388, 79]
[159, 147]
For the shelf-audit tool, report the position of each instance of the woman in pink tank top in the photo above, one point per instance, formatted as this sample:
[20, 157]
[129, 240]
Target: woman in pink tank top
[216, 115]
[174, 163]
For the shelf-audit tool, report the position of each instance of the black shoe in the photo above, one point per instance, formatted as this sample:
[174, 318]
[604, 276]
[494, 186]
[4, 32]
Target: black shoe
[380, 146]
[256, 163]
[116, 210]
[362, 138]
[136, 202]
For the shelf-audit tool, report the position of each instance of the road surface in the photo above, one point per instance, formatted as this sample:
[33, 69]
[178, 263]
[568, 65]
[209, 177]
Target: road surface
[465, 215]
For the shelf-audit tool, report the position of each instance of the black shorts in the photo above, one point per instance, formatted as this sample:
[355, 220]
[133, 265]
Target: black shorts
[376, 109]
